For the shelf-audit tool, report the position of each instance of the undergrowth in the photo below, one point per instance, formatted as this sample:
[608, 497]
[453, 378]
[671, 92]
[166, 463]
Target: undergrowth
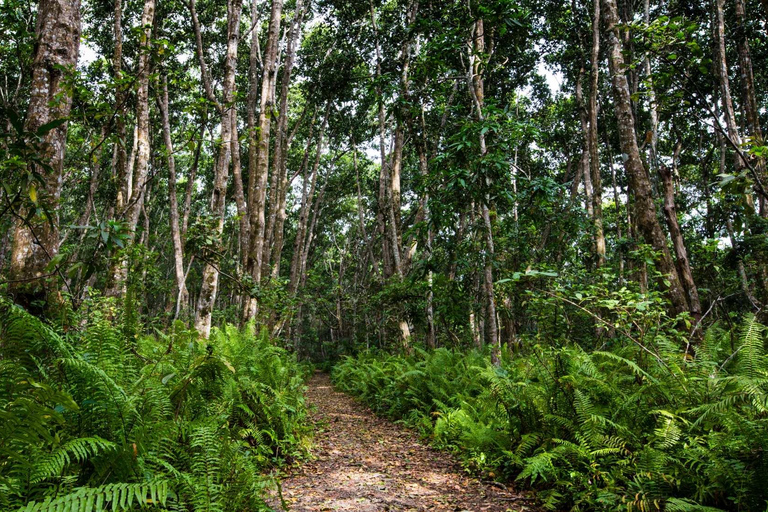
[96, 418]
[625, 429]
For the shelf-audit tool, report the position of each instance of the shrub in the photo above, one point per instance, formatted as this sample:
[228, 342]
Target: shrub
[601, 430]
[96, 419]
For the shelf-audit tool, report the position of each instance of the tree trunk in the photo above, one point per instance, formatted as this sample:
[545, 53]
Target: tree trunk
[191, 182]
[136, 176]
[751, 109]
[36, 242]
[477, 92]
[725, 84]
[258, 163]
[120, 155]
[681, 254]
[182, 297]
[584, 163]
[210, 285]
[307, 195]
[383, 206]
[277, 213]
[594, 155]
[645, 208]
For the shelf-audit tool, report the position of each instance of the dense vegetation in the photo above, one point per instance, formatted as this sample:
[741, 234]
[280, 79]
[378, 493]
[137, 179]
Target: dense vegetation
[98, 418]
[593, 430]
[543, 224]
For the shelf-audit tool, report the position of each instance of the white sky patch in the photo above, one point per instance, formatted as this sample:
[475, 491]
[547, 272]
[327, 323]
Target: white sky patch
[87, 54]
[554, 78]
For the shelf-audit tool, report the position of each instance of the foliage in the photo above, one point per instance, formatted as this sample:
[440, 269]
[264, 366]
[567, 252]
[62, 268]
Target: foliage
[593, 430]
[93, 419]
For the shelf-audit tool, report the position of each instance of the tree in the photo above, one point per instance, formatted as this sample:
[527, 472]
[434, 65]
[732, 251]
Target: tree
[36, 236]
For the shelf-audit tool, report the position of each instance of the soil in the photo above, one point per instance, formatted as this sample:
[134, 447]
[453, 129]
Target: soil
[364, 463]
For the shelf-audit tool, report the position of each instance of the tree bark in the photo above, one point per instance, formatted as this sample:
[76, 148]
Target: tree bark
[382, 213]
[182, 296]
[725, 84]
[681, 254]
[136, 176]
[594, 155]
[307, 196]
[259, 159]
[751, 109]
[277, 213]
[645, 208]
[210, 285]
[477, 91]
[36, 242]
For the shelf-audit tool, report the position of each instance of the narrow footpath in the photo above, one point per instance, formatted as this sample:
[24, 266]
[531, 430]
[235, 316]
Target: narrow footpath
[364, 463]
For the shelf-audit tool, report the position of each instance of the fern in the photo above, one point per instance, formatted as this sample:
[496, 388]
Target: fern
[603, 430]
[120, 496]
[95, 420]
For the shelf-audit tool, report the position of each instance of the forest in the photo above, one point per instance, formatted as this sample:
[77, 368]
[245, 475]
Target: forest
[383, 255]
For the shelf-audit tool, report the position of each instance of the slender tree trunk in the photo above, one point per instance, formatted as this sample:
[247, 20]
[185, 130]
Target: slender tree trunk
[652, 107]
[136, 177]
[182, 296]
[307, 195]
[277, 214]
[361, 214]
[255, 63]
[210, 285]
[725, 84]
[190, 188]
[751, 109]
[431, 338]
[645, 208]
[584, 163]
[244, 223]
[617, 205]
[120, 155]
[594, 155]
[384, 188]
[477, 92]
[260, 165]
[681, 254]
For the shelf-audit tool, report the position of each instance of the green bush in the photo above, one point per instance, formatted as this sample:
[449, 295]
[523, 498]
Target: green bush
[624, 429]
[97, 419]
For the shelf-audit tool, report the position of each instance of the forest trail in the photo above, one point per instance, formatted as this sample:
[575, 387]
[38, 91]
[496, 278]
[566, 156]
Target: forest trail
[365, 463]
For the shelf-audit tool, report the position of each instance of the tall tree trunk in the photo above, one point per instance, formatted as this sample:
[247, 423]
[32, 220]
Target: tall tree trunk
[751, 109]
[652, 107]
[477, 92]
[120, 155]
[645, 208]
[259, 166]
[594, 155]
[36, 242]
[136, 177]
[361, 214]
[191, 181]
[307, 195]
[584, 163]
[277, 213]
[244, 222]
[382, 212]
[210, 285]
[422, 148]
[255, 63]
[182, 296]
[725, 84]
[681, 254]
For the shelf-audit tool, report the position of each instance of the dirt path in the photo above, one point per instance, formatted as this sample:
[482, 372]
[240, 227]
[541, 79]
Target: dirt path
[364, 463]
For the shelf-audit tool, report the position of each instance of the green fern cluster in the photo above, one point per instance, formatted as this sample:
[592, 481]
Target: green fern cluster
[600, 430]
[98, 419]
